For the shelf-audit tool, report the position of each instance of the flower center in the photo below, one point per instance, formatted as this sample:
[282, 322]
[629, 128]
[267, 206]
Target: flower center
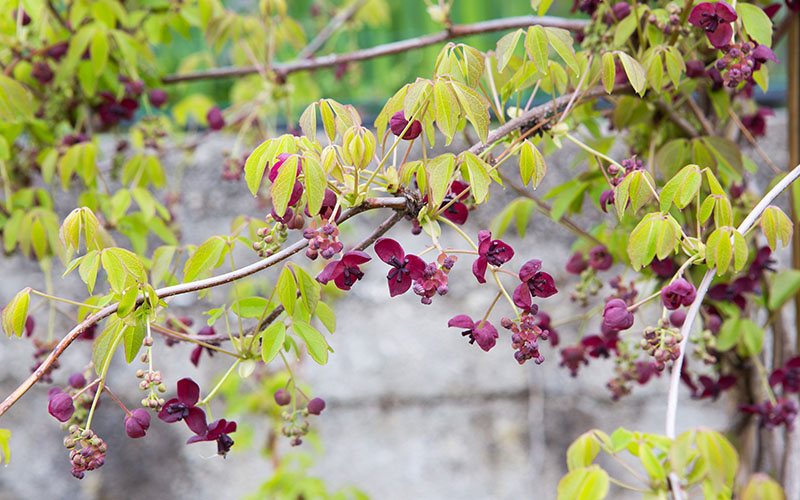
[709, 22]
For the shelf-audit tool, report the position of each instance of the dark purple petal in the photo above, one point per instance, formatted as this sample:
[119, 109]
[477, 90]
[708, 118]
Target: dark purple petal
[522, 296]
[695, 69]
[415, 265]
[196, 420]
[194, 357]
[697, 14]
[529, 269]
[762, 54]
[577, 263]
[172, 411]
[398, 123]
[725, 12]
[137, 423]
[188, 391]
[331, 271]
[616, 315]
[484, 239]
[479, 269]
[542, 285]
[721, 36]
[215, 119]
[276, 167]
[461, 321]
[355, 257]
[386, 248]
[399, 283]
[486, 337]
[315, 406]
[457, 213]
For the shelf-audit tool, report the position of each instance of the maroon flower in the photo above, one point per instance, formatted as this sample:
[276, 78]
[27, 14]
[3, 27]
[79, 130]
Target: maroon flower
[757, 123]
[137, 423]
[218, 431]
[783, 412]
[733, 292]
[183, 407]
[663, 268]
[543, 322]
[600, 259]
[344, 272]
[762, 262]
[485, 336]
[282, 397]
[315, 406]
[194, 357]
[157, 97]
[572, 357]
[601, 346]
[794, 5]
[788, 376]
[713, 388]
[494, 252]
[215, 119]
[577, 264]
[679, 293]
[715, 19]
[695, 69]
[398, 123]
[606, 199]
[405, 267]
[619, 11]
[112, 111]
[761, 55]
[60, 405]
[42, 72]
[77, 381]
[457, 212]
[535, 283]
[24, 17]
[616, 315]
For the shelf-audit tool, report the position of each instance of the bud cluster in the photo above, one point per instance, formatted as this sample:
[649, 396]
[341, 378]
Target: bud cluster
[661, 344]
[525, 336]
[87, 450]
[629, 370]
[323, 240]
[151, 381]
[434, 278]
[271, 239]
[737, 63]
[293, 429]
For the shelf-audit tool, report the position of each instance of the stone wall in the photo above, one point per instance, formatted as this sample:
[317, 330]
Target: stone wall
[413, 410]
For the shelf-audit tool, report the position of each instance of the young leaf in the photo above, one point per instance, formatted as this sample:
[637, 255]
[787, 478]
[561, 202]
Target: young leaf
[561, 41]
[315, 181]
[284, 184]
[204, 258]
[478, 176]
[326, 316]
[132, 338]
[582, 451]
[272, 341]
[476, 108]
[5, 450]
[287, 290]
[439, 170]
[314, 340]
[756, 22]
[537, 47]
[609, 72]
[446, 108]
[256, 162]
[776, 226]
[308, 121]
[586, 483]
[783, 286]
[505, 48]
[634, 71]
[16, 313]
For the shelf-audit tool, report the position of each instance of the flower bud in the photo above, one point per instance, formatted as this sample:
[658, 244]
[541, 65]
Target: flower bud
[61, 406]
[137, 423]
[282, 397]
[315, 406]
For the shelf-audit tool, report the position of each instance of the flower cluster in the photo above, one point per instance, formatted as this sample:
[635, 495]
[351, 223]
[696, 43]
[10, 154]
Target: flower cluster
[184, 407]
[662, 344]
[525, 336]
[481, 332]
[294, 430]
[87, 450]
[434, 278]
[740, 60]
[494, 252]
[781, 412]
[322, 241]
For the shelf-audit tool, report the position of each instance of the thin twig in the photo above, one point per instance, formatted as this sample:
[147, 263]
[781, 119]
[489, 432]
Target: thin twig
[752, 141]
[457, 31]
[325, 33]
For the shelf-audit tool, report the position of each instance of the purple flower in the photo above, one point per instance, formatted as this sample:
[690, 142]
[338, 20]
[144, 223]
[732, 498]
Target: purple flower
[60, 405]
[713, 388]
[405, 267]
[616, 315]
[157, 97]
[494, 252]
[606, 199]
[112, 111]
[398, 123]
[601, 346]
[715, 19]
[788, 376]
[458, 212]
[282, 397]
[677, 318]
[485, 336]
[194, 357]
[577, 264]
[733, 292]
[183, 407]
[344, 272]
[783, 412]
[600, 259]
[619, 11]
[42, 72]
[218, 431]
[757, 123]
[761, 55]
[77, 381]
[535, 283]
[663, 268]
[695, 69]
[137, 423]
[572, 357]
[679, 293]
[762, 262]
[215, 119]
[315, 406]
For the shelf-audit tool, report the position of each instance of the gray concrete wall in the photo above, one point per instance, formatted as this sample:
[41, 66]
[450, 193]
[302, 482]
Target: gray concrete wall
[413, 410]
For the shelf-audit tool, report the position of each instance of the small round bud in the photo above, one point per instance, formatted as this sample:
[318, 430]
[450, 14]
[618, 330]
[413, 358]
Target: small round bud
[282, 397]
[315, 406]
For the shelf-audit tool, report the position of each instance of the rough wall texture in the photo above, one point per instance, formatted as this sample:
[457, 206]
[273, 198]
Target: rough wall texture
[413, 410]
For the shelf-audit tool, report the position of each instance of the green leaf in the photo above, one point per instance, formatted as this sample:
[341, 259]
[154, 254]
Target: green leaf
[624, 30]
[537, 47]
[132, 338]
[99, 52]
[440, 171]
[316, 182]
[620, 439]
[609, 72]
[15, 102]
[675, 65]
[106, 343]
[315, 341]
[284, 184]
[652, 464]
[776, 226]
[328, 119]
[308, 121]
[729, 334]
[115, 269]
[16, 313]
[128, 301]
[326, 316]
[655, 71]
[561, 41]
[446, 109]
[256, 163]
[5, 450]
[721, 458]
[783, 286]
[587, 483]
[759, 487]
[249, 307]
[272, 341]
[505, 48]
[310, 288]
[478, 176]
[476, 108]
[287, 290]
[634, 71]
[740, 251]
[582, 451]
[719, 250]
[88, 269]
[756, 23]
[204, 258]
[751, 340]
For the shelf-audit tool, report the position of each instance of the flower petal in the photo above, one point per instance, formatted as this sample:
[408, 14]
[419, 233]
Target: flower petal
[456, 213]
[355, 257]
[725, 12]
[484, 240]
[721, 36]
[188, 391]
[416, 266]
[696, 16]
[399, 284]
[196, 420]
[522, 296]
[461, 321]
[529, 269]
[479, 269]
[386, 248]
[486, 337]
[331, 271]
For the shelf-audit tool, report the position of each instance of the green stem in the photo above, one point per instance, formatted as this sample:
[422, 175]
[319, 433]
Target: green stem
[103, 374]
[590, 150]
[459, 231]
[505, 293]
[216, 388]
[66, 301]
[236, 289]
[489, 311]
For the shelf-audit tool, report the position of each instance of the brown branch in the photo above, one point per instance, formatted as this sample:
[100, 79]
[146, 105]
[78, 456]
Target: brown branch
[369, 204]
[457, 31]
[58, 17]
